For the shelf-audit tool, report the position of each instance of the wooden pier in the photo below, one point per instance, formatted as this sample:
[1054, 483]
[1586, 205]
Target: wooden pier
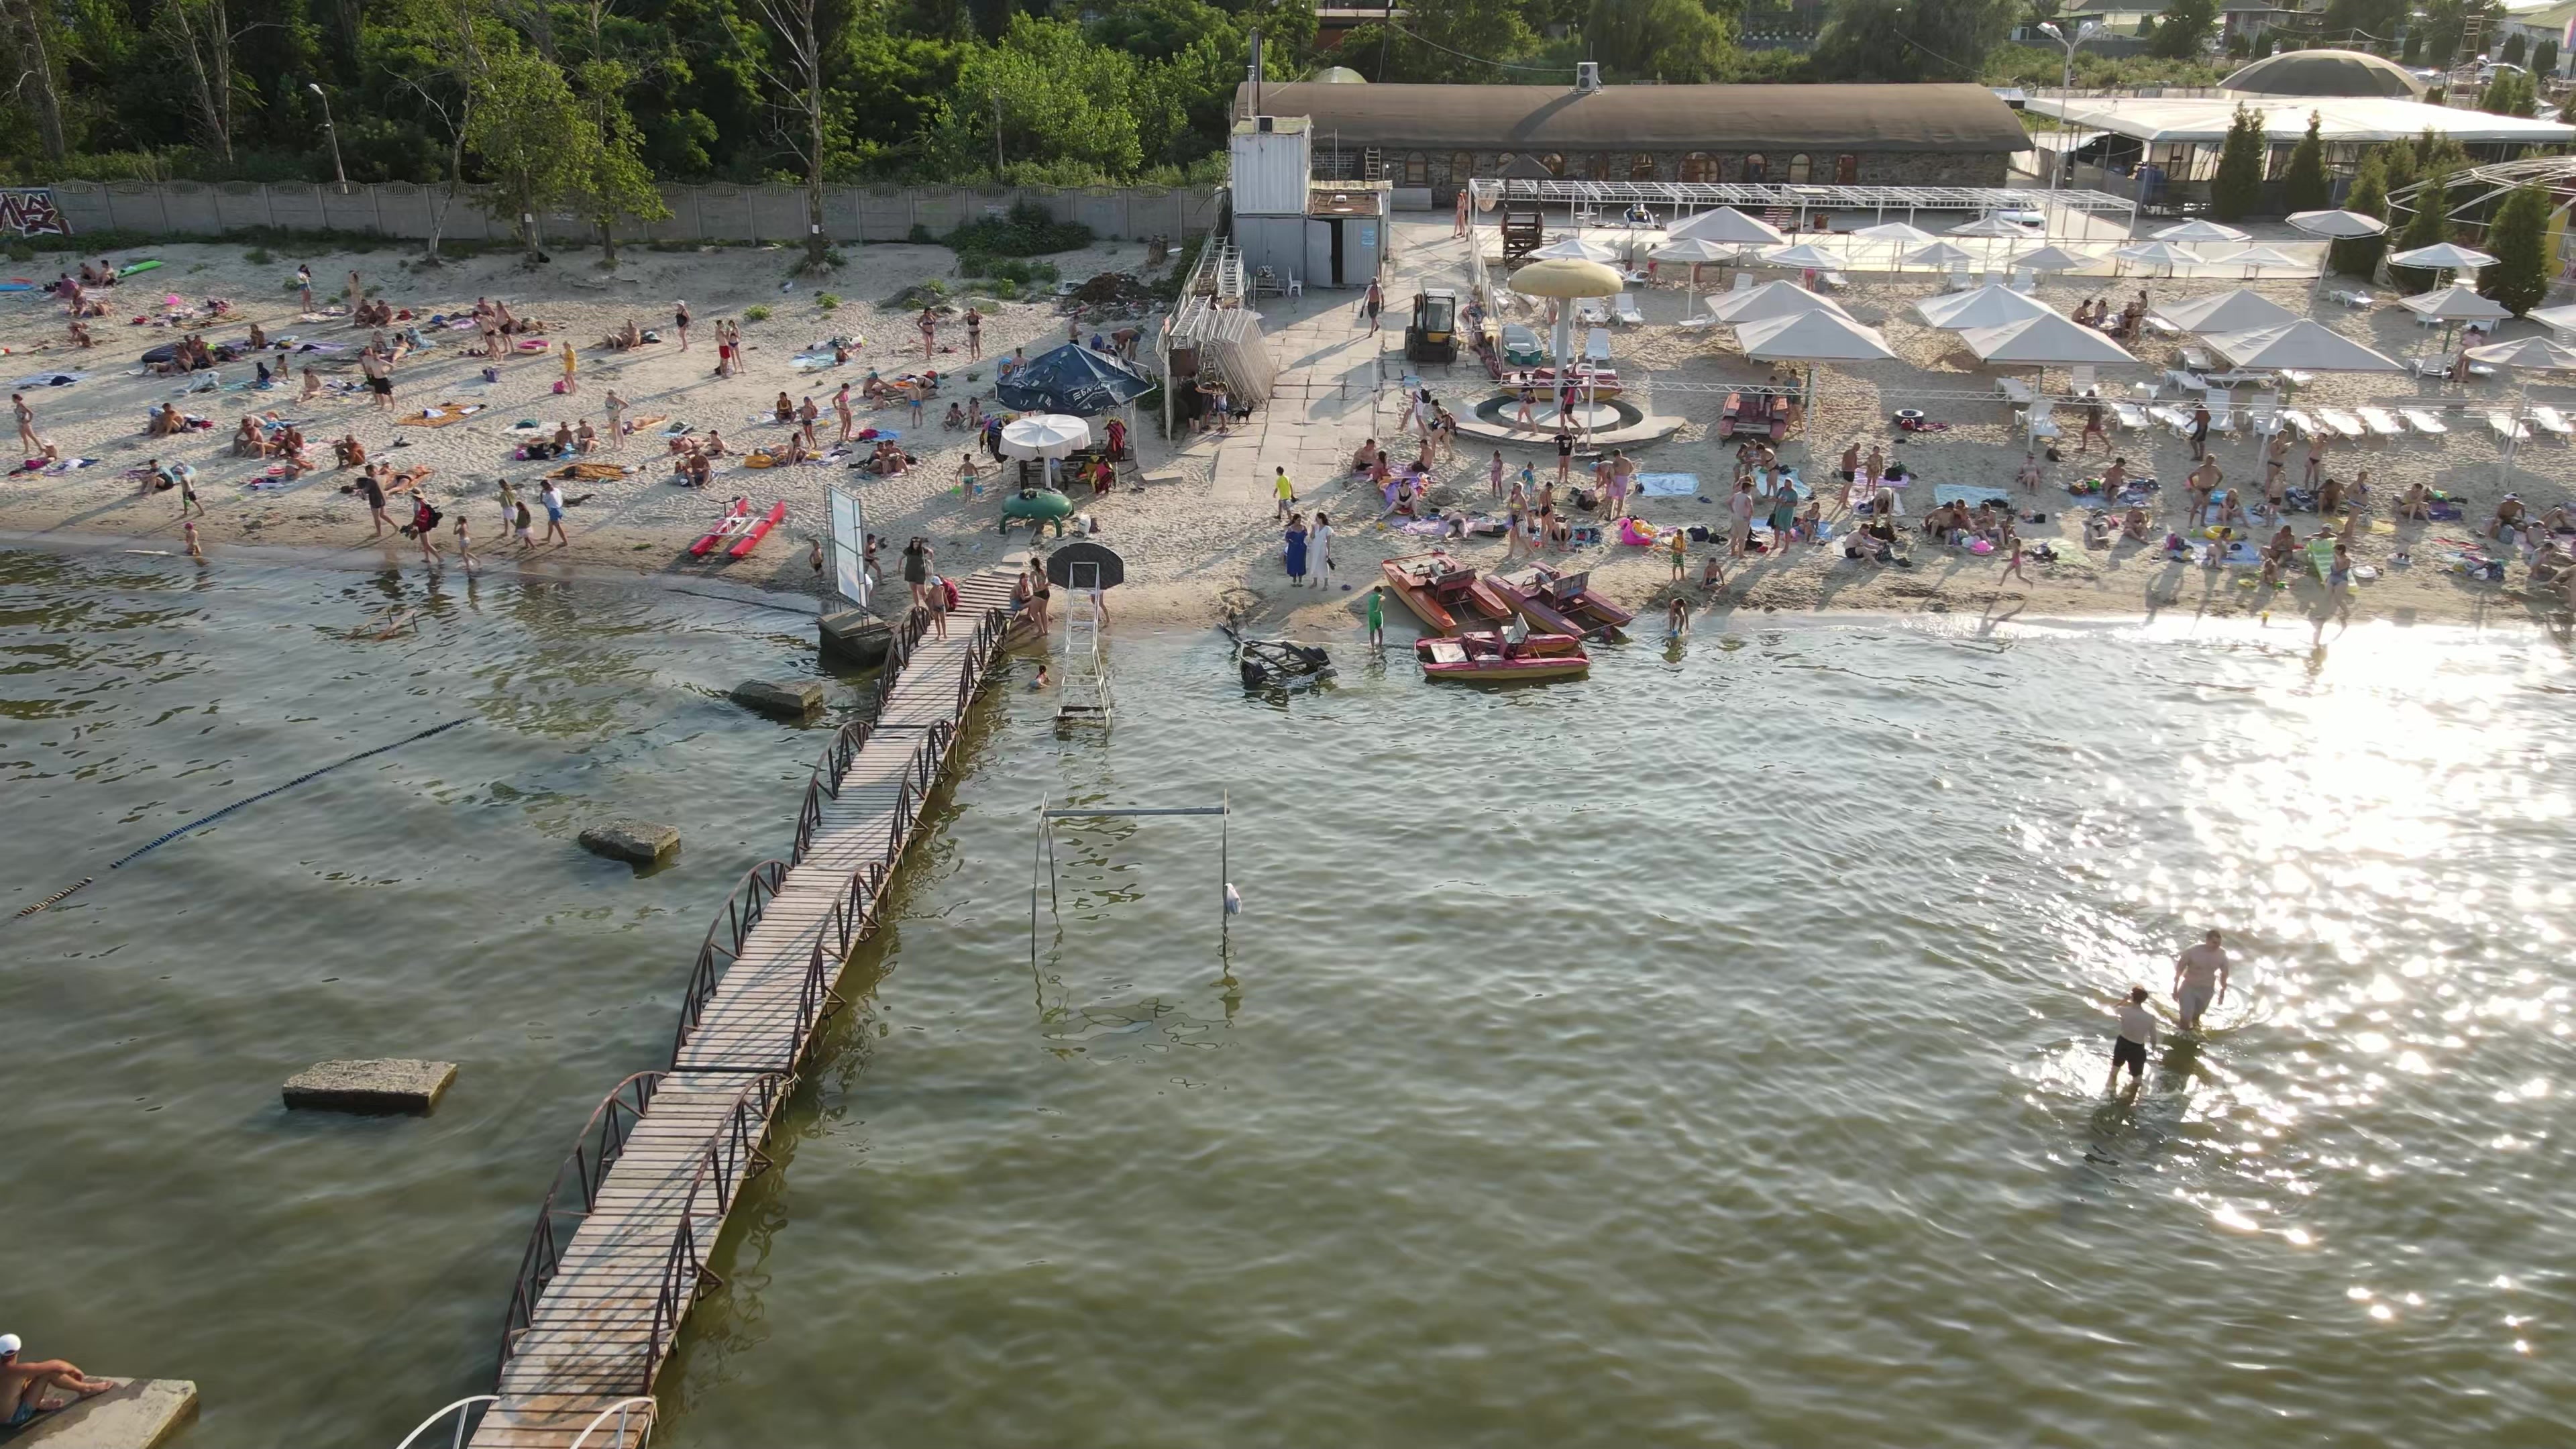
[619, 1251]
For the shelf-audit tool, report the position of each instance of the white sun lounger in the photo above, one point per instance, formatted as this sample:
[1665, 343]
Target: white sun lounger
[2013, 390]
[2299, 419]
[2345, 425]
[1623, 308]
[2553, 422]
[2382, 423]
[2501, 423]
[2132, 417]
[2423, 422]
[2172, 417]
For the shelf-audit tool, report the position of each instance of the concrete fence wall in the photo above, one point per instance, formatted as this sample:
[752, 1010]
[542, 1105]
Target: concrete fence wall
[707, 213]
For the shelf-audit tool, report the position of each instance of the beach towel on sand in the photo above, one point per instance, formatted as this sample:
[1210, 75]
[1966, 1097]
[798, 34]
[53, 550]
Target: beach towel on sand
[1668, 485]
[443, 415]
[1969, 494]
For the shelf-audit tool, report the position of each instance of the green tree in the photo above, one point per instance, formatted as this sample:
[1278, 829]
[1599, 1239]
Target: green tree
[2397, 163]
[2429, 224]
[2182, 27]
[1910, 40]
[2304, 186]
[2237, 190]
[532, 135]
[2262, 45]
[613, 183]
[1677, 41]
[2375, 20]
[2359, 256]
[2511, 93]
[1068, 109]
[2514, 49]
[2519, 240]
[2411, 53]
[2544, 57]
[1456, 40]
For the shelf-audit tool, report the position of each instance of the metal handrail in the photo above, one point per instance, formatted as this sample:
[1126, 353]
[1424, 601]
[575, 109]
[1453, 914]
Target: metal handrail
[724, 942]
[842, 928]
[732, 1158]
[825, 784]
[588, 1163]
[459, 1410]
[620, 1409]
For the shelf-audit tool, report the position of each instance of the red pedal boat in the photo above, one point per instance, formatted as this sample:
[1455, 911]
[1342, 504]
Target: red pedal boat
[1492, 654]
[1444, 593]
[752, 536]
[733, 522]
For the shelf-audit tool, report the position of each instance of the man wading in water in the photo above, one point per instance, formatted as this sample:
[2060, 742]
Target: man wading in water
[2200, 980]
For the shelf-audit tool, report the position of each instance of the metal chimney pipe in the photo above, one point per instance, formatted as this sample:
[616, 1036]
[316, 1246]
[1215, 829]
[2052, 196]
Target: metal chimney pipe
[1256, 70]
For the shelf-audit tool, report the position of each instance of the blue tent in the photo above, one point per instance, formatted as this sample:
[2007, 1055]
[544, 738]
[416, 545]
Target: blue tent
[1071, 379]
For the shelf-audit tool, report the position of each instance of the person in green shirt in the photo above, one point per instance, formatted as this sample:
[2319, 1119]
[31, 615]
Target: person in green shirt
[1285, 491]
[1377, 618]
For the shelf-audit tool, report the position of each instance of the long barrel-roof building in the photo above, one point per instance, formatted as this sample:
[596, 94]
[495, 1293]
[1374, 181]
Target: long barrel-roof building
[1438, 136]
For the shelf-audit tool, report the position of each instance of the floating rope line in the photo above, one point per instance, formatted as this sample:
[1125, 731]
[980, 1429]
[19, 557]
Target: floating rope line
[167, 837]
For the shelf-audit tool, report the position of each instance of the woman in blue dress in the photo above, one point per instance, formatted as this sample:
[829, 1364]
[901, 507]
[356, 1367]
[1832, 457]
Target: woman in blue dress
[1296, 548]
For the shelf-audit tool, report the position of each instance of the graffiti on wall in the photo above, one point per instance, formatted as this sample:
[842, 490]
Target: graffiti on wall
[31, 212]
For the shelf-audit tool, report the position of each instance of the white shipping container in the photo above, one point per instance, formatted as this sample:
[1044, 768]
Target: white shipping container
[1270, 165]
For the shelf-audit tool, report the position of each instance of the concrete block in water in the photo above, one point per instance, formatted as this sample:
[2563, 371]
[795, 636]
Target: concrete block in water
[639, 841]
[374, 1086]
[136, 1414]
[855, 639]
[792, 698]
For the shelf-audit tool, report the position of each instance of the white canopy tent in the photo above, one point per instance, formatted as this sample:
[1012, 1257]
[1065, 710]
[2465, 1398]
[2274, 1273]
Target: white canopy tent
[1804, 256]
[2159, 254]
[2529, 354]
[2046, 340]
[1044, 435]
[2341, 120]
[2055, 259]
[2197, 230]
[1940, 254]
[1813, 337]
[1695, 252]
[2337, 225]
[1577, 249]
[1728, 226]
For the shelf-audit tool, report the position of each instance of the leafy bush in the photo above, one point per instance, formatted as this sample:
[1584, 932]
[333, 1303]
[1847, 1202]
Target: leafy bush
[828, 301]
[755, 313]
[1027, 231]
[256, 256]
[921, 235]
[1005, 269]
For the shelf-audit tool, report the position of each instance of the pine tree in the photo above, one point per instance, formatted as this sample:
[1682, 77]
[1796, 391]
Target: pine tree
[2519, 240]
[2304, 186]
[2238, 188]
[2263, 45]
[2429, 224]
[2359, 256]
[2544, 57]
[2514, 49]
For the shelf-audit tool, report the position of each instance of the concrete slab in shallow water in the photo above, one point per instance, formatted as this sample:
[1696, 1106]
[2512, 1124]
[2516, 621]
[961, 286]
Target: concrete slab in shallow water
[136, 1414]
[378, 1085]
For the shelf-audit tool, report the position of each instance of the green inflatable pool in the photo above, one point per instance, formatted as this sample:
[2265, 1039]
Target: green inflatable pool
[1038, 506]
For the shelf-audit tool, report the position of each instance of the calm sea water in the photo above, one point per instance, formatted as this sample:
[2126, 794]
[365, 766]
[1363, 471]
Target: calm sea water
[1707, 1053]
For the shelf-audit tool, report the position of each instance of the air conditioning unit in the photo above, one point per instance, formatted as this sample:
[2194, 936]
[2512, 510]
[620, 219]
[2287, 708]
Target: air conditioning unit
[1587, 77]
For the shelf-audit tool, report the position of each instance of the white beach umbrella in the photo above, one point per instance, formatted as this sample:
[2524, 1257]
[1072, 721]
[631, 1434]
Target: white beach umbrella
[1575, 248]
[2255, 259]
[1987, 306]
[2557, 319]
[1696, 252]
[1806, 256]
[1813, 337]
[1895, 231]
[1769, 301]
[2337, 225]
[1989, 225]
[2237, 311]
[1728, 225]
[2539, 354]
[2054, 259]
[2532, 354]
[1940, 254]
[2456, 303]
[2197, 230]
[2040, 341]
[2443, 256]
[1044, 435]
[2303, 345]
[2159, 254]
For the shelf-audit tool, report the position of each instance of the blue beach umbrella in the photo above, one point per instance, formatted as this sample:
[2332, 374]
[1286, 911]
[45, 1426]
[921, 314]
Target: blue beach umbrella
[1071, 379]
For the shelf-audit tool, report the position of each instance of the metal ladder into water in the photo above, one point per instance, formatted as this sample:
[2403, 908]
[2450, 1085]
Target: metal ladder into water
[1086, 668]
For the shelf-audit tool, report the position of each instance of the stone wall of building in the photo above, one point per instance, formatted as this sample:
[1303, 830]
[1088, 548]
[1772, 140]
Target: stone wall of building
[1445, 171]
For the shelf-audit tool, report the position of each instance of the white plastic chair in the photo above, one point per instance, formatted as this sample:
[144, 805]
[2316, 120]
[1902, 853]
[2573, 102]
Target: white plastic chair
[2037, 422]
[1295, 288]
[2263, 413]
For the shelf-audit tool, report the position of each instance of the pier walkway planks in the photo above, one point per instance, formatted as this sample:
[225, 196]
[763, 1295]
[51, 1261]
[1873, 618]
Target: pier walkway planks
[650, 1182]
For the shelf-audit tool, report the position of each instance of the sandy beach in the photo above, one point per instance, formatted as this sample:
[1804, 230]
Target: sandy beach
[1193, 516]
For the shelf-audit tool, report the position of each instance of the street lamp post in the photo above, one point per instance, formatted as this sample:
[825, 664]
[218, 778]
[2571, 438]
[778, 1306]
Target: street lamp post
[2066, 78]
[333, 132]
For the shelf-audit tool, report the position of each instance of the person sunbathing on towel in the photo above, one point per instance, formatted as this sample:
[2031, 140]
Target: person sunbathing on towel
[2135, 524]
[2508, 514]
[166, 421]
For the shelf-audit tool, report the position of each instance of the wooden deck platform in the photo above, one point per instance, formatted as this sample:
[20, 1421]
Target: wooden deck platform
[600, 1316]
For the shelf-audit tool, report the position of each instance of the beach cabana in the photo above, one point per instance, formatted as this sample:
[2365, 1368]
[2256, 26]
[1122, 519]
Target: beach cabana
[1811, 338]
[2198, 230]
[2159, 254]
[1727, 227]
[1044, 435]
[1770, 301]
[2054, 259]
